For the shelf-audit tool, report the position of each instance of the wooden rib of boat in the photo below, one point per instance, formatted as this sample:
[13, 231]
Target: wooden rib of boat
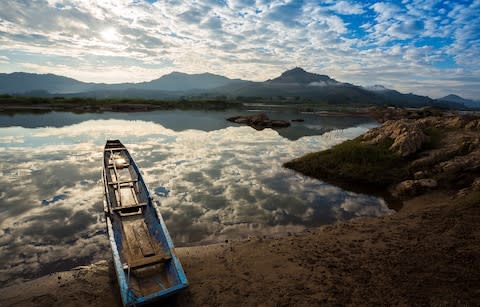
[144, 257]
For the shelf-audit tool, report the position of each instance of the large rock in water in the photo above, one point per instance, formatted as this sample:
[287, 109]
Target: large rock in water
[259, 121]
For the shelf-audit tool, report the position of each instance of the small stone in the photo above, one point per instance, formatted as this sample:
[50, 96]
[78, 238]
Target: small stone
[413, 187]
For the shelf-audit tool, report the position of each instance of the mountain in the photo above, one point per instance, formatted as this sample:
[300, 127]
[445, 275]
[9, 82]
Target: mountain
[298, 76]
[457, 99]
[20, 82]
[377, 88]
[292, 85]
[454, 98]
[177, 81]
[297, 84]
[394, 97]
[24, 83]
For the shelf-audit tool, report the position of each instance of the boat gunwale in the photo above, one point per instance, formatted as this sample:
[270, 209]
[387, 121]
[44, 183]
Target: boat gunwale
[121, 276]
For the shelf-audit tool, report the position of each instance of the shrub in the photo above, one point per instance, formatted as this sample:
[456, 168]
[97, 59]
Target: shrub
[354, 162]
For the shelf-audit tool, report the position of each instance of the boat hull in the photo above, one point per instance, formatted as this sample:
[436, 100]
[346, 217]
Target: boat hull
[145, 261]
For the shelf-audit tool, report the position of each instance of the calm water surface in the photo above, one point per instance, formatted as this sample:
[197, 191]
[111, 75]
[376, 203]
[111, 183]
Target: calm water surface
[214, 181]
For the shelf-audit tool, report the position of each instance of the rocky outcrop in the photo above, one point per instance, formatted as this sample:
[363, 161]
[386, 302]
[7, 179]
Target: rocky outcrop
[473, 125]
[407, 136]
[439, 152]
[259, 121]
[396, 113]
[454, 161]
[468, 162]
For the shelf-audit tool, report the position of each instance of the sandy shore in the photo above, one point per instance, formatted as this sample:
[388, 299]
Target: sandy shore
[427, 253]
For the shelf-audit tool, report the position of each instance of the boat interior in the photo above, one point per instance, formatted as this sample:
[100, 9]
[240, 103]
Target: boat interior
[142, 246]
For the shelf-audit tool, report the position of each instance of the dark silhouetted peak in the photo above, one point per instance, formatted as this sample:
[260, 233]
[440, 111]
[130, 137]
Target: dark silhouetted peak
[178, 81]
[454, 98]
[300, 76]
[175, 73]
[21, 82]
[294, 71]
[457, 99]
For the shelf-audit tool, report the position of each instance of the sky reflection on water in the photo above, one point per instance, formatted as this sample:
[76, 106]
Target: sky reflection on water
[211, 185]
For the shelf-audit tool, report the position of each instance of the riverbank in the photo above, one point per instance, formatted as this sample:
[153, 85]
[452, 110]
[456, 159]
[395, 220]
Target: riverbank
[409, 154]
[424, 254]
[19, 104]
[93, 105]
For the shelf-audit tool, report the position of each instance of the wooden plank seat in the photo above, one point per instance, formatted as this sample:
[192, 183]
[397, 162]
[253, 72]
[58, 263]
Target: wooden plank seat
[122, 182]
[115, 149]
[140, 205]
[147, 261]
[143, 250]
[111, 165]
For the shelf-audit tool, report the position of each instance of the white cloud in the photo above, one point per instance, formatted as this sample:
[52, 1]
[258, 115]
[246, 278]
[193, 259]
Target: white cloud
[347, 8]
[247, 39]
[385, 11]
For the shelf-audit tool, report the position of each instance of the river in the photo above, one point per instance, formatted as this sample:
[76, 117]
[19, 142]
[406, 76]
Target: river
[213, 180]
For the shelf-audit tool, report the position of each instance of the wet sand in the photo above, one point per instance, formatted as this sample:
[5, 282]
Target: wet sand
[428, 253]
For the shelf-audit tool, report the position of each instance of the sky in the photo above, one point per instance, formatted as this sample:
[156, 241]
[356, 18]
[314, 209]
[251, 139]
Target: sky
[421, 46]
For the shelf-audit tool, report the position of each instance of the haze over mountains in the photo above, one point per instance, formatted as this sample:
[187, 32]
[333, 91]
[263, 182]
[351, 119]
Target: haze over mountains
[292, 85]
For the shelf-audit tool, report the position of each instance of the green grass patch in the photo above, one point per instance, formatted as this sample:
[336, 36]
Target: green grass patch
[354, 162]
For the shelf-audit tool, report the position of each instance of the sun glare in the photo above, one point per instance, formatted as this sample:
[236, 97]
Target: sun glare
[110, 35]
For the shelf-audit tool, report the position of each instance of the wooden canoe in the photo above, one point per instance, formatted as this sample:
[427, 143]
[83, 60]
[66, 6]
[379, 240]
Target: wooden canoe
[144, 257]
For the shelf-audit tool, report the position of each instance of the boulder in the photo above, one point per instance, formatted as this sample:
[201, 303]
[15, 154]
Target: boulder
[473, 125]
[476, 184]
[259, 121]
[413, 187]
[468, 162]
[455, 122]
[406, 134]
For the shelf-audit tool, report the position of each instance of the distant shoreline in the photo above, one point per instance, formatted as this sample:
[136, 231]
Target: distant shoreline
[21, 104]
[93, 105]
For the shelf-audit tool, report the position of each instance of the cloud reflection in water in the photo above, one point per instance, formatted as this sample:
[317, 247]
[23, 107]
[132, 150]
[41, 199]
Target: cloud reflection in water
[226, 183]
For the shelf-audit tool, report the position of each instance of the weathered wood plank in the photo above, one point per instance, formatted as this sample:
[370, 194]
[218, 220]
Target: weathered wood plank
[127, 195]
[134, 251]
[142, 262]
[143, 239]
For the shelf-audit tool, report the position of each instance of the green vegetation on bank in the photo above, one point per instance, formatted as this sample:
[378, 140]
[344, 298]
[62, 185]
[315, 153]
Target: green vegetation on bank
[411, 153]
[358, 166]
[355, 163]
[114, 103]
[16, 104]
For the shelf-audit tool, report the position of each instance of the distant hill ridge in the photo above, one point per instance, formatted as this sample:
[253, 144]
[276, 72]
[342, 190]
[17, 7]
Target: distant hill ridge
[294, 83]
[457, 99]
[300, 76]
